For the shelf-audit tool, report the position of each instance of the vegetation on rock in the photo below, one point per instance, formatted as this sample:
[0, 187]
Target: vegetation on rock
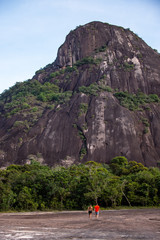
[135, 101]
[28, 97]
[75, 106]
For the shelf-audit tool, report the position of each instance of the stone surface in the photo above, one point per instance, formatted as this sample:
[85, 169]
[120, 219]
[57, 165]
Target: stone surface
[121, 224]
[106, 129]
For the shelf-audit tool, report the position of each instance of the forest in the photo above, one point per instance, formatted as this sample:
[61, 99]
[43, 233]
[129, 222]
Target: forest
[34, 186]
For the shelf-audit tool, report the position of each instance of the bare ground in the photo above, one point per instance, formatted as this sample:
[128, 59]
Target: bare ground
[111, 225]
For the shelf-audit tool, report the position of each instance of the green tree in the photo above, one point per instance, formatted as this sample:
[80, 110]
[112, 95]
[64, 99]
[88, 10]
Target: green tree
[134, 167]
[7, 197]
[97, 181]
[25, 200]
[119, 165]
[112, 192]
[62, 185]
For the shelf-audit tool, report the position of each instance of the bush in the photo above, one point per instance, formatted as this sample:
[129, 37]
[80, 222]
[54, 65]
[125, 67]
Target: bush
[120, 160]
[40, 71]
[34, 109]
[101, 49]
[83, 152]
[23, 96]
[154, 98]
[145, 122]
[88, 60]
[134, 101]
[21, 124]
[128, 66]
[83, 108]
[54, 74]
[25, 106]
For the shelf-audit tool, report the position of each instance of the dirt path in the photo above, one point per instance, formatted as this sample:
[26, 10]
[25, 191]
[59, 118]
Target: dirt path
[111, 225]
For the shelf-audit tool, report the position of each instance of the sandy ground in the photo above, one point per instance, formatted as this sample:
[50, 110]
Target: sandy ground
[111, 225]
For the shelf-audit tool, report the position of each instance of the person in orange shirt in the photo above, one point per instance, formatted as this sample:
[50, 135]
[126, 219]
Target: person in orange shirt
[96, 209]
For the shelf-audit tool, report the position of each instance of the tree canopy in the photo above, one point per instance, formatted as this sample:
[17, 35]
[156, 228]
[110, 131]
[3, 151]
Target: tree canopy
[39, 187]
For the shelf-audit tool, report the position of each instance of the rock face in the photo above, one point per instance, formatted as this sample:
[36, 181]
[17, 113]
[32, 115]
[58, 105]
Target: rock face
[100, 65]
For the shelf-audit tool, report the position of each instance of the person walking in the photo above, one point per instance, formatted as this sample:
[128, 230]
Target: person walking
[96, 209]
[90, 209]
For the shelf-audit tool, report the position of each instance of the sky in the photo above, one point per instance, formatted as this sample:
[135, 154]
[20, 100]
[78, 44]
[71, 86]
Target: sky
[31, 31]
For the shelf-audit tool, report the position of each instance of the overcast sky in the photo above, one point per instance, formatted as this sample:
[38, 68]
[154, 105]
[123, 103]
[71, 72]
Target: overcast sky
[31, 31]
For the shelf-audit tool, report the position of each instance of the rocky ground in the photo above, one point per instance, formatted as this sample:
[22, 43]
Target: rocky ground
[111, 225]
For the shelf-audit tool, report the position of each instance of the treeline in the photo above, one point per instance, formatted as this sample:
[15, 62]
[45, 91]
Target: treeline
[39, 187]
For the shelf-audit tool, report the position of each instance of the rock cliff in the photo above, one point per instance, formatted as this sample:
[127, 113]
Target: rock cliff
[98, 99]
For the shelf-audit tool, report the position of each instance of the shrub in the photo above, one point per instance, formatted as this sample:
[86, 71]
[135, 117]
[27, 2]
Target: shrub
[94, 88]
[134, 101]
[25, 106]
[90, 90]
[105, 88]
[14, 111]
[83, 152]
[21, 124]
[71, 69]
[82, 137]
[83, 108]
[120, 160]
[145, 122]
[88, 60]
[154, 98]
[34, 109]
[40, 71]
[101, 49]
[146, 130]
[128, 66]
[54, 74]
